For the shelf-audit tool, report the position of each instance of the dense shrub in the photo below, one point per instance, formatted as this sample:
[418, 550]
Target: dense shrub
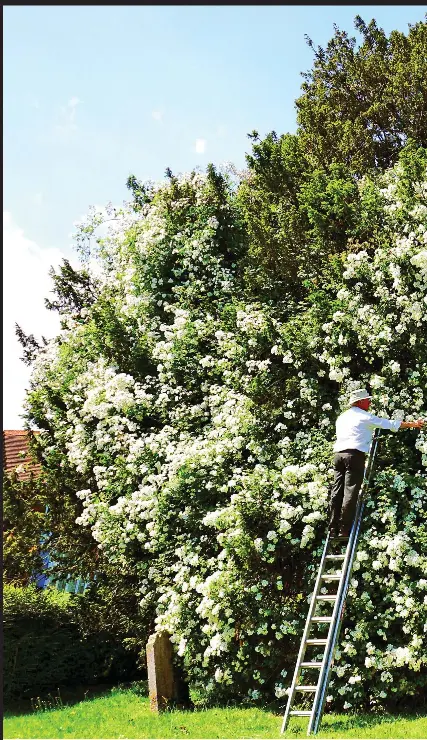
[48, 643]
[203, 422]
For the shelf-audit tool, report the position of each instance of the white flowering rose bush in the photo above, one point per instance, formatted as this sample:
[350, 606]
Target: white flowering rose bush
[202, 421]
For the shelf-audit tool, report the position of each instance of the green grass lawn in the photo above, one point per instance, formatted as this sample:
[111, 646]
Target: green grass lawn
[124, 714]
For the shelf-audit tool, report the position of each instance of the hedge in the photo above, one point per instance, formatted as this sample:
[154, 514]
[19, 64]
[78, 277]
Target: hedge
[47, 644]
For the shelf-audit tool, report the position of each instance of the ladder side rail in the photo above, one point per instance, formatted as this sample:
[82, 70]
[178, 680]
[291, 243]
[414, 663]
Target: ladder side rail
[335, 633]
[303, 644]
[329, 649]
[337, 617]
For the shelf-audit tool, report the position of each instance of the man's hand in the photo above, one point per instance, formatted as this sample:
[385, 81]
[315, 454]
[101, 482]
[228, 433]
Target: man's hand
[418, 424]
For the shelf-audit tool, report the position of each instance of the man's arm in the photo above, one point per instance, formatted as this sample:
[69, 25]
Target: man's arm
[394, 425]
[412, 424]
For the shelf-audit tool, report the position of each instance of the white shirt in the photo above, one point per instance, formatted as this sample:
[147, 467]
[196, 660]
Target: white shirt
[355, 428]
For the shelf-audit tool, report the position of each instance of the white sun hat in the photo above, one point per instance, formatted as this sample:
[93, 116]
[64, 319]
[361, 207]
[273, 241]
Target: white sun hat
[358, 395]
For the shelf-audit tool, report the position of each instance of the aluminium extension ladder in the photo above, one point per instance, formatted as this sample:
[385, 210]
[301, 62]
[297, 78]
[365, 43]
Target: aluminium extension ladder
[329, 640]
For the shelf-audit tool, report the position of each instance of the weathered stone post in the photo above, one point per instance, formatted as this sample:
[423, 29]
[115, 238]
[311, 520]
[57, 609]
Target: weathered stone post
[166, 682]
[160, 671]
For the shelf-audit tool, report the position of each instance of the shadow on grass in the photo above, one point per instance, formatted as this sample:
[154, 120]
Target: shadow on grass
[64, 696]
[358, 721]
[342, 724]
[361, 721]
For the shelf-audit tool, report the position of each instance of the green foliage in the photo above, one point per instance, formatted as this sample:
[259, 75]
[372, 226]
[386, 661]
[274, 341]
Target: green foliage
[270, 203]
[300, 218]
[140, 192]
[40, 515]
[50, 641]
[24, 523]
[74, 289]
[110, 607]
[359, 108]
[360, 105]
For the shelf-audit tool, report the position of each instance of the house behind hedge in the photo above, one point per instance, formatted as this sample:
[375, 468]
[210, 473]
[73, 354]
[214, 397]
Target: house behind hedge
[17, 455]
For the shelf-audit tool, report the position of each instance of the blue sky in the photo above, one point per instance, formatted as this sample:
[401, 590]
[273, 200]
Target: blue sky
[81, 86]
[92, 94]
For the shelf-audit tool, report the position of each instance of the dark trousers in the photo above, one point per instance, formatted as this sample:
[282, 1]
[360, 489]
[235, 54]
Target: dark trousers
[349, 468]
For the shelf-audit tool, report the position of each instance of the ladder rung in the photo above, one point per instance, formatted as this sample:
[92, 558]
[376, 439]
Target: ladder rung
[305, 688]
[316, 641]
[331, 577]
[321, 619]
[327, 597]
[335, 557]
[300, 713]
[311, 665]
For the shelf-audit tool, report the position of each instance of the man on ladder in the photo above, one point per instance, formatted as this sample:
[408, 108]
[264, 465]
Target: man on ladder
[355, 438]
[354, 429]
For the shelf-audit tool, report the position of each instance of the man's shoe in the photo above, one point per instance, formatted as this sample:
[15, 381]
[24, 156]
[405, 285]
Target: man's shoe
[344, 532]
[333, 532]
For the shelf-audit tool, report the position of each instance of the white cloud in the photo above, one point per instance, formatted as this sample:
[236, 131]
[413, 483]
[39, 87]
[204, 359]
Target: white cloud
[200, 146]
[25, 285]
[157, 115]
[67, 117]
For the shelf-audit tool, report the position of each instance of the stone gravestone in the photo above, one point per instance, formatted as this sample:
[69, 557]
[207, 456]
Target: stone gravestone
[160, 671]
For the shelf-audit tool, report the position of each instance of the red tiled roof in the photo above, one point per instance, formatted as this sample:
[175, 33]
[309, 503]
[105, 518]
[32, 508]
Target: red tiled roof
[15, 441]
